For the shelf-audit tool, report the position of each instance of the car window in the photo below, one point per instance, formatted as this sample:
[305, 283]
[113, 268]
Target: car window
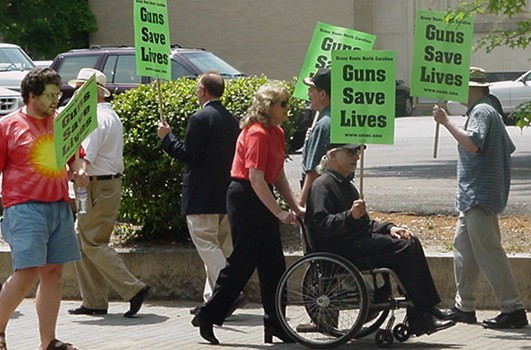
[71, 65]
[205, 60]
[179, 70]
[121, 69]
[12, 58]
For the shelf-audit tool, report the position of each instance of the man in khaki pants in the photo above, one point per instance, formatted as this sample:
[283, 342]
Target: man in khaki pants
[100, 265]
[207, 150]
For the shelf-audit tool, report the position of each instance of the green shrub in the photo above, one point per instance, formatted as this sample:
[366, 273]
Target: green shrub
[151, 195]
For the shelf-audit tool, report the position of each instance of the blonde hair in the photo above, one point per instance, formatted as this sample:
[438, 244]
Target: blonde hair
[265, 96]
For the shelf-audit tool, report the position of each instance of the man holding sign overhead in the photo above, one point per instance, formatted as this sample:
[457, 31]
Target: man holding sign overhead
[484, 179]
[38, 223]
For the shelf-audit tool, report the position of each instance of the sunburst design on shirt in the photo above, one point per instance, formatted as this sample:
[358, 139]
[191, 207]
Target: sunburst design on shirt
[42, 157]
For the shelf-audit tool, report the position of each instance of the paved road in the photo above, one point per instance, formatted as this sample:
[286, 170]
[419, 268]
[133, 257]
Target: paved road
[406, 177]
[167, 326]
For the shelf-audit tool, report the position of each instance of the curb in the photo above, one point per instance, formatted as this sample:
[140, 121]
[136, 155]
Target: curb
[178, 274]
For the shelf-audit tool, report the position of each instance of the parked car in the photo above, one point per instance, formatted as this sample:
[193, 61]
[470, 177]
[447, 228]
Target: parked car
[508, 94]
[403, 107]
[10, 101]
[403, 101]
[118, 64]
[43, 64]
[14, 65]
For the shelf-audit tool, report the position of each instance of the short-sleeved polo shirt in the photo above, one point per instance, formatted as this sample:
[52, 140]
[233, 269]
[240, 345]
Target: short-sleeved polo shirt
[316, 143]
[484, 177]
[259, 147]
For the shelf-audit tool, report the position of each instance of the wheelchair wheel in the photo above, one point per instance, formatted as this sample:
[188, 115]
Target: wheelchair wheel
[322, 301]
[401, 332]
[376, 317]
[372, 325]
[384, 338]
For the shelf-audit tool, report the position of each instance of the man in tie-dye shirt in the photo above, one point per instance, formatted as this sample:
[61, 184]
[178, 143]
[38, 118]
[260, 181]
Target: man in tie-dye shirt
[38, 223]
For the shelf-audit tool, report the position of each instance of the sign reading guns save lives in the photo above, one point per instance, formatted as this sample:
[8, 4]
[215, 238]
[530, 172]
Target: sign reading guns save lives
[75, 122]
[325, 39]
[363, 98]
[152, 39]
[441, 57]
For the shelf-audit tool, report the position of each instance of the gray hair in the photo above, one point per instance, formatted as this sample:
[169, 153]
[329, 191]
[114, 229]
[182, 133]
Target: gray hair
[323, 164]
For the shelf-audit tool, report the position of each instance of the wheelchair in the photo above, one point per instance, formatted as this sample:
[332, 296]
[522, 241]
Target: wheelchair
[324, 301]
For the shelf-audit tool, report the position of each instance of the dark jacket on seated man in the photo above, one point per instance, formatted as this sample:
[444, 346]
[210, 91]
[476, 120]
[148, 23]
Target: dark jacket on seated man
[329, 220]
[368, 243]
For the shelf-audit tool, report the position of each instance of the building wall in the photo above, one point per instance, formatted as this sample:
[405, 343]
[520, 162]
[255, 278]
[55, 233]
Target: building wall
[255, 36]
[272, 36]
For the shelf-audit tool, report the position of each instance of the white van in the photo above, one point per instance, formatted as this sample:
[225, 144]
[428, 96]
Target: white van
[14, 65]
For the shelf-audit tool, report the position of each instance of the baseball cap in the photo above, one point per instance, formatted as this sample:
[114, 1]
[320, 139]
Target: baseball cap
[321, 80]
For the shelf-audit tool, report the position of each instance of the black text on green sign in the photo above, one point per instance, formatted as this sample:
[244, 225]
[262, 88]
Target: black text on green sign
[148, 55]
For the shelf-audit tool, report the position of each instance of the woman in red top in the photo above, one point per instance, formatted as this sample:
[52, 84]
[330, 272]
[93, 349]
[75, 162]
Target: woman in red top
[254, 214]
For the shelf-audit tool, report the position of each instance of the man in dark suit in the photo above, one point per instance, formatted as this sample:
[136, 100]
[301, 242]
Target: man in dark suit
[207, 150]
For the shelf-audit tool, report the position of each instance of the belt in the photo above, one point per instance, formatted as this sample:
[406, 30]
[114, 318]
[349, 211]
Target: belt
[104, 177]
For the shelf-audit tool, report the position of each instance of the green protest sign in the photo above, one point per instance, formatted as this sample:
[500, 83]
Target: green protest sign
[152, 39]
[325, 39]
[75, 122]
[363, 102]
[441, 57]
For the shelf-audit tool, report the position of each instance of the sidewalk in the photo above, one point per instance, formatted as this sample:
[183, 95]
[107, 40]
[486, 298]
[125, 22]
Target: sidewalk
[166, 325]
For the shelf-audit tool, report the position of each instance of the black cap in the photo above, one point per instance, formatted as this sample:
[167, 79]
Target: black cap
[321, 80]
[345, 145]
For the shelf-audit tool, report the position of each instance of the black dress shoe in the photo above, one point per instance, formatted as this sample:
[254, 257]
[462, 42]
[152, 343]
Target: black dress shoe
[515, 319]
[423, 322]
[435, 325]
[206, 329]
[86, 311]
[463, 316]
[270, 332]
[136, 302]
[443, 314]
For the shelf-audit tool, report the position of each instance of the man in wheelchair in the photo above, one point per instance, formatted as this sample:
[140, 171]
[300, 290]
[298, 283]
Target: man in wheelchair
[337, 219]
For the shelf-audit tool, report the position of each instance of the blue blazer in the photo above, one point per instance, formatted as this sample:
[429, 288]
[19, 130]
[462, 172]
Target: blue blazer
[207, 151]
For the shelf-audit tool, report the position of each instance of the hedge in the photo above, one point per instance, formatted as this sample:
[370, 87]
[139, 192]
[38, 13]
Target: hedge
[151, 196]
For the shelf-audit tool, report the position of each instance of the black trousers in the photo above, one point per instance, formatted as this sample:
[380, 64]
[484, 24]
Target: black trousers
[405, 257]
[256, 241]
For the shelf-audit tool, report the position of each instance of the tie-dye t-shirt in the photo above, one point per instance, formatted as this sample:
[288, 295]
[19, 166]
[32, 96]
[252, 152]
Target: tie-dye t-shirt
[27, 161]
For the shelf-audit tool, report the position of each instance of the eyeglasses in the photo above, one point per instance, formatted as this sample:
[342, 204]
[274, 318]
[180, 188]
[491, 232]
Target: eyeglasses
[53, 96]
[284, 104]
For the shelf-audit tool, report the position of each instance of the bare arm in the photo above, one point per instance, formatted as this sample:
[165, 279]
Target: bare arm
[440, 116]
[77, 170]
